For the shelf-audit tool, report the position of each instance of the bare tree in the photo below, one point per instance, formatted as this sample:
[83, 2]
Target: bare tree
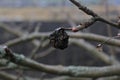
[9, 60]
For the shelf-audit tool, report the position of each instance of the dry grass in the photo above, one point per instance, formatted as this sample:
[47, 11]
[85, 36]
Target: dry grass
[51, 13]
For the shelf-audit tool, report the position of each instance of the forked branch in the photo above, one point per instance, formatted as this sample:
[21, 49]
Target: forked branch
[95, 16]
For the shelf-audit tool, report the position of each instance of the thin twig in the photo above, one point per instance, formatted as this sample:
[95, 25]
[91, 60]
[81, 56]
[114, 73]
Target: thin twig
[44, 53]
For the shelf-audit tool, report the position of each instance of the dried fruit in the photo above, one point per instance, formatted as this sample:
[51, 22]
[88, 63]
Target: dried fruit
[59, 39]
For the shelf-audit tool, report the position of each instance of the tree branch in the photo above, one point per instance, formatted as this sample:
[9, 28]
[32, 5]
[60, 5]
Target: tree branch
[88, 36]
[94, 52]
[11, 30]
[93, 14]
[95, 37]
[6, 76]
[73, 71]
[83, 8]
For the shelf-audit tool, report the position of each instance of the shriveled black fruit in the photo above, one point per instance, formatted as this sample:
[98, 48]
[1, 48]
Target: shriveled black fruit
[59, 39]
